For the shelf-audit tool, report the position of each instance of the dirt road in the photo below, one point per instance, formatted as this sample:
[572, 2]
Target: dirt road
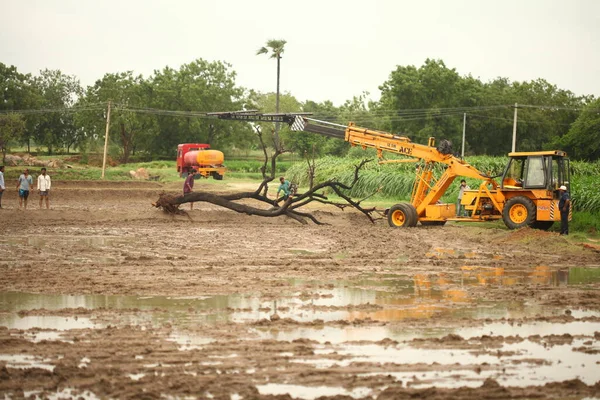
[104, 296]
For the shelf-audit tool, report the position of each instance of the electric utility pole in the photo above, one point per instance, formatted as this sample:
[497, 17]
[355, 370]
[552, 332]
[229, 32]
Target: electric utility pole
[106, 140]
[514, 141]
[462, 153]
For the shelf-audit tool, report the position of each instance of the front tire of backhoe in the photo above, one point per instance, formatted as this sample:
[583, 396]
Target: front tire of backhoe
[518, 212]
[402, 215]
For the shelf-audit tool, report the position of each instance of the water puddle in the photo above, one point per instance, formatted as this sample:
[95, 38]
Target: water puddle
[384, 297]
[13, 321]
[24, 361]
[311, 392]
[518, 364]
[136, 377]
[38, 336]
[357, 333]
[66, 393]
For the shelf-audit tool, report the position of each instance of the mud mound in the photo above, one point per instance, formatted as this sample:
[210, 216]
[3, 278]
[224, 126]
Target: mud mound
[528, 235]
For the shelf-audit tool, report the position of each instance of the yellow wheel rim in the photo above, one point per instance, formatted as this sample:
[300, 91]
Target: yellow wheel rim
[518, 213]
[398, 218]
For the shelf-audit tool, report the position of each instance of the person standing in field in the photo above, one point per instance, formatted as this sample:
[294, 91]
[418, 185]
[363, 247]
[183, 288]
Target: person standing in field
[43, 187]
[564, 205]
[2, 186]
[188, 185]
[24, 183]
[460, 209]
[284, 187]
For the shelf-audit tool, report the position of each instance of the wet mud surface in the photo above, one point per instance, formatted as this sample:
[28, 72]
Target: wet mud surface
[104, 296]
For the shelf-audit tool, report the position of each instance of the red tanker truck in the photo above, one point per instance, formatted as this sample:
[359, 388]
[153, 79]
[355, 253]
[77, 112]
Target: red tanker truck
[200, 157]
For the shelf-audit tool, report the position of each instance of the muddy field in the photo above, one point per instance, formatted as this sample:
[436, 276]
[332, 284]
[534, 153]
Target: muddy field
[104, 296]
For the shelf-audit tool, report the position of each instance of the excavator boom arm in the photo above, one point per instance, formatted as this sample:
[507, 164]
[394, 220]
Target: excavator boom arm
[425, 193]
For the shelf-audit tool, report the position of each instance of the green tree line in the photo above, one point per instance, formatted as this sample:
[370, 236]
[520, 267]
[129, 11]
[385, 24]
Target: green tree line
[152, 114]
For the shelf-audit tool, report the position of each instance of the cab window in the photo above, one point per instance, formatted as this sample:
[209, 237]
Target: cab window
[513, 176]
[535, 172]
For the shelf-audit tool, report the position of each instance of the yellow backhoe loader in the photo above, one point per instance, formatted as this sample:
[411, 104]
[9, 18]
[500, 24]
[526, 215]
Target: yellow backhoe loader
[526, 193]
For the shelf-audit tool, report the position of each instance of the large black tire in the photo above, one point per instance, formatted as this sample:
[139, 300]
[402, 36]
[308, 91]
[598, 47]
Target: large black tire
[519, 212]
[543, 225]
[402, 215]
[433, 223]
[217, 176]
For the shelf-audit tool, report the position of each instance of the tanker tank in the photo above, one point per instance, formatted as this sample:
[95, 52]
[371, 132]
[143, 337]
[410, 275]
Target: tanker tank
[203, 157]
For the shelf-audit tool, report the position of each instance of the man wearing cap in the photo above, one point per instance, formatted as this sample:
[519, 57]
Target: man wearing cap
[564, 204]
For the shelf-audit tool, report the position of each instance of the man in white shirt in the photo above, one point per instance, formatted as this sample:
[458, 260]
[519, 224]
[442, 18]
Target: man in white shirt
[43, 186]
[2, 185]
[460, 209]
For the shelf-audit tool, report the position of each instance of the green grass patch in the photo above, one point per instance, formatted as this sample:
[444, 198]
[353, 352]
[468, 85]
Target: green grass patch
[584, 221]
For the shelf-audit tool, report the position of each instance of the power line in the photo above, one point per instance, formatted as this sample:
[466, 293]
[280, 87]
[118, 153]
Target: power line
[363, 115]
[521, 121]
[555, 108]
[87, 107]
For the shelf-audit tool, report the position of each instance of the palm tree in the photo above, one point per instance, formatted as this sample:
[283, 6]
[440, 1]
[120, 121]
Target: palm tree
[276, 47]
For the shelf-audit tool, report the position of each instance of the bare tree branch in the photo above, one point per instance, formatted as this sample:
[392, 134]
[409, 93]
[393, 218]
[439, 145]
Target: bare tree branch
[170, 203]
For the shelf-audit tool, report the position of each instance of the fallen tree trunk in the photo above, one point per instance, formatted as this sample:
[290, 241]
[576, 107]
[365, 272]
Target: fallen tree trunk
[170, 203]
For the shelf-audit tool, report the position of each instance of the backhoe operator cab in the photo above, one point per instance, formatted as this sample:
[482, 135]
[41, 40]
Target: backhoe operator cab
[528, 193]
[536, 170]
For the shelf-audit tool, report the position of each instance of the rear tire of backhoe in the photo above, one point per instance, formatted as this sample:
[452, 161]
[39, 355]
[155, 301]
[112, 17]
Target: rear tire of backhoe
[402, 215]
[519, 212]
[542, 225]
[217, 176]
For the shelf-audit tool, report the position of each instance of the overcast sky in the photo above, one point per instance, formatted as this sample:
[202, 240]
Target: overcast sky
[335, 49]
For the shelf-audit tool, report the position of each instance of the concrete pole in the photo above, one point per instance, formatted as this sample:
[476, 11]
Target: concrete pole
[514, 140]
[106, 140]
[462, 153]
[277, 100]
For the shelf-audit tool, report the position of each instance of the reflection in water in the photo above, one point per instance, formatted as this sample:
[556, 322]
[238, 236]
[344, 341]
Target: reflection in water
[311, 392]
[385, 298]
[24, 361]
[44, 322]
[390, 297]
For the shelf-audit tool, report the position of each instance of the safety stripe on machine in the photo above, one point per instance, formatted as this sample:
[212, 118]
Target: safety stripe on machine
[298, 124]
[571, 211]
[552, 211]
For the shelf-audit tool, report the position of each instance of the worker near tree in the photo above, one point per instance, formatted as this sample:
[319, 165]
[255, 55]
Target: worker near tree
[284, 187]
[460, 209]
[188, 185]
[43, 187]
[564, 205]
[2, 185]
[24, 183]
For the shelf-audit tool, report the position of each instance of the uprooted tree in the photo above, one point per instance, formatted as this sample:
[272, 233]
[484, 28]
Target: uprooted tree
[291, 207]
